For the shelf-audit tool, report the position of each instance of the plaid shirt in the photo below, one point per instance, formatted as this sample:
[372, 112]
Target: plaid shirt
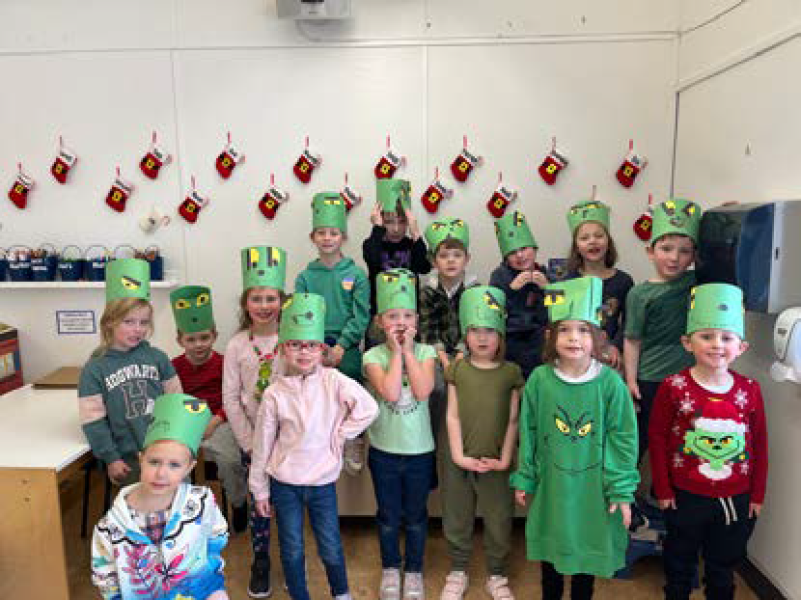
[439, 315]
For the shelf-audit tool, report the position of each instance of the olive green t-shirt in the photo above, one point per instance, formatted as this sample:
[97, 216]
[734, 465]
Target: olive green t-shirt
[484, 398]
[656, 314]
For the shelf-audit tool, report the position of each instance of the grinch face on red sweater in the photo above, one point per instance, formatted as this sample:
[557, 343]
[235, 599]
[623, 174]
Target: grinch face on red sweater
[718, 440]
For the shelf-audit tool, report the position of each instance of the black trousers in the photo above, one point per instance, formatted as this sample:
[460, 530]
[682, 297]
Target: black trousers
[718, 529]
[648, 391]
[553, 584]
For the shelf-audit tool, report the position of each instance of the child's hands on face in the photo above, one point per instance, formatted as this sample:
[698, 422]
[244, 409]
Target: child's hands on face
[407, 342]
[118, 471]
[375, 216]
[263, 508]
[521, 497]
[395, 339]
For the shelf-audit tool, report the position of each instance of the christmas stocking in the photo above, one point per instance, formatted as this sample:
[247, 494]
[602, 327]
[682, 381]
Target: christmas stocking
[65, 160]
[434, 194]
[228, 159]
[304, 167]
[389, 163]
[192, 205]
[553, 164]
[643, 225]
[155, 158]
[272, 199]
[463, 165]
[350, 197]
[18, 193]
[630, 168]
[502, 197]
[119, 193]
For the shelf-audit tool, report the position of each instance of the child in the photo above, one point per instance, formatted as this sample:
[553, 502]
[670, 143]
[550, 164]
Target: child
[401, 459]
[448, 242]
[709, 449]
[163, 537]
[483, 403]
[124, 376]
[248, 364]
[522, 281]
[578, 449]
[200, 370]
[346, 290]
[656, 310]
[593, 253]
[304, 419]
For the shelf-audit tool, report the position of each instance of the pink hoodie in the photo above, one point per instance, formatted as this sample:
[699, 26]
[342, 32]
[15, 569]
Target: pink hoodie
[301, 428]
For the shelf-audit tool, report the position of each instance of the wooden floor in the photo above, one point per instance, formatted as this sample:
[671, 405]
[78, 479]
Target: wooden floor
[364, 572]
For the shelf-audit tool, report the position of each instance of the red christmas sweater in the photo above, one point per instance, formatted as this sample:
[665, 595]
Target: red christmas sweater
[717, 457]
[203, 381]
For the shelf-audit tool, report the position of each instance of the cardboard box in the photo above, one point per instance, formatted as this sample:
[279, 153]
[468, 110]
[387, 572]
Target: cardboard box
[10, 360]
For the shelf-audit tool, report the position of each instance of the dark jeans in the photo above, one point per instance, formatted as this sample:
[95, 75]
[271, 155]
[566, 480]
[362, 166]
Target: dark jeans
[402, 483]
[648, 391]
[259, 526]
[321, 502]
[553, 584]
[718, 528]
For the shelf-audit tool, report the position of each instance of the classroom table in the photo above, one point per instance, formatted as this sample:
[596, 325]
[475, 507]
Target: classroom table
[41, 445]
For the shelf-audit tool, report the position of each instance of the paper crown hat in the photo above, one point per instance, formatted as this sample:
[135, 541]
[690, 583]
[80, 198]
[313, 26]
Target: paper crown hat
[681, 217]
[575, 300]
[180, 418]
[395, 289]
[716, 306]
[591, 210]
[483, 306]
[192, 308]
[303, 318]
[513, 233]
[445, 229]
[127, 278]
[391, 192]
[263, 266]
[328, 210]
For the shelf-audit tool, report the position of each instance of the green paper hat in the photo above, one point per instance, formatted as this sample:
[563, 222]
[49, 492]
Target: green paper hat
[444, 229]
[575, 300]
[181, 418]
[591, 210]
[395, 289]
[127, 278]
[263, 266]
[676, 216]
[328, 210]
[390, 192]
[513, 233]
[192, 309]
[716, 306]
[483, 306]
[303, 318]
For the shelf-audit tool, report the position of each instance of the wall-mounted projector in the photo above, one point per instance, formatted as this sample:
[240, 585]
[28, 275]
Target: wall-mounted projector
[313, 9]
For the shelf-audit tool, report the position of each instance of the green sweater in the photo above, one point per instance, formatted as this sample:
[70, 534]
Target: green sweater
[578, 454]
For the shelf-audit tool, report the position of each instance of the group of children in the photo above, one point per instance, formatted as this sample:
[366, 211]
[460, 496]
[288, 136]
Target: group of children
[524, 373]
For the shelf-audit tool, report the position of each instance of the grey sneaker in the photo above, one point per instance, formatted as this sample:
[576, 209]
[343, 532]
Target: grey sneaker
[413, 588]
[390, 585]
[354, 456]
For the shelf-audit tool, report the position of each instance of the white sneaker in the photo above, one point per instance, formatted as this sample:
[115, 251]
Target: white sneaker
[498, 587]
[413, 588]
[354, 456]
[390, 585]
[455, 586]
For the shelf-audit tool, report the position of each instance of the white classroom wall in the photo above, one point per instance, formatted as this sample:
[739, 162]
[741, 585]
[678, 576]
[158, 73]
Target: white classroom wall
[738, 135]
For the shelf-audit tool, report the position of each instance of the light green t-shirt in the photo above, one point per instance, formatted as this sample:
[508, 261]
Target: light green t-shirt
[402, 427]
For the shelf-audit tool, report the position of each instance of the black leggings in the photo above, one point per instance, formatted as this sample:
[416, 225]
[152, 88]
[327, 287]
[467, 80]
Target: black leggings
[553, 584]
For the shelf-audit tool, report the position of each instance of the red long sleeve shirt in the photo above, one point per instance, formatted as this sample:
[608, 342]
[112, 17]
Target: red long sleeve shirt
[678, 403]
[203, 381]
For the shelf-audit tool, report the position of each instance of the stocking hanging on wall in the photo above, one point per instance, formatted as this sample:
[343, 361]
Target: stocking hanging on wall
[435, 193]
[644, 224]
[350, 196]
[553, 164]
[22, 185]
[63, 163]
[388, 163]
[632, 165]
[464, 164]
[192, 205]
[307, 162]
[228, 159]
[155, 158]
[119, 193]
[501, 198]
[272, 200]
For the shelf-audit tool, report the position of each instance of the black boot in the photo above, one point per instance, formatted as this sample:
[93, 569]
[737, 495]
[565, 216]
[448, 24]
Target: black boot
[259, 586]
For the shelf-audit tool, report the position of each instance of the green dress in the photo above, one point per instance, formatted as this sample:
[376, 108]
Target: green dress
[578, 454]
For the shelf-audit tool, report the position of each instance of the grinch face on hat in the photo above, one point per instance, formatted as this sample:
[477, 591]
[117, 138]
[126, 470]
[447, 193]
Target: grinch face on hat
[181, 418]
[675, 216]
[192, 309]
[444, 229]
[513, 233]
[590, 211]
[716, 306]
[395, 289]
[303, 318]
[127, 278]
[394, 195]
[263, 266]
[329, 210]
[577, 299]
[483, 306]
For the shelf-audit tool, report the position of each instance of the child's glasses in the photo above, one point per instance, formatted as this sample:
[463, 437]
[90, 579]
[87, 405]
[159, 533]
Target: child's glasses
[298, 346]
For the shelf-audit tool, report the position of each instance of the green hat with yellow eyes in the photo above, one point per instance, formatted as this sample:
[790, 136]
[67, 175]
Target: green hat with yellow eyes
[584, 212]
[192, 309]
[577, 299]
[716, 306]
[263, 266]
[395, 289]
[676, 216]
[393, 192]
[180, 418]
[446, 229]
[303, 318]
[483, 306]
[513, 233]
[328, 210]
[127, 278]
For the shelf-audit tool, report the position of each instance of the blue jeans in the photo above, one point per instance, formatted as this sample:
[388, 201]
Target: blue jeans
[402, 483]
[321, 502]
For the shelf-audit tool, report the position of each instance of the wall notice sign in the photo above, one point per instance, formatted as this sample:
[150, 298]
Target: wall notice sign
[72, 322]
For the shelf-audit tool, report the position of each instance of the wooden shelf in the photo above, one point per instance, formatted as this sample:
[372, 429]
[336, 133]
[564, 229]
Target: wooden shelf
[73, 285]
